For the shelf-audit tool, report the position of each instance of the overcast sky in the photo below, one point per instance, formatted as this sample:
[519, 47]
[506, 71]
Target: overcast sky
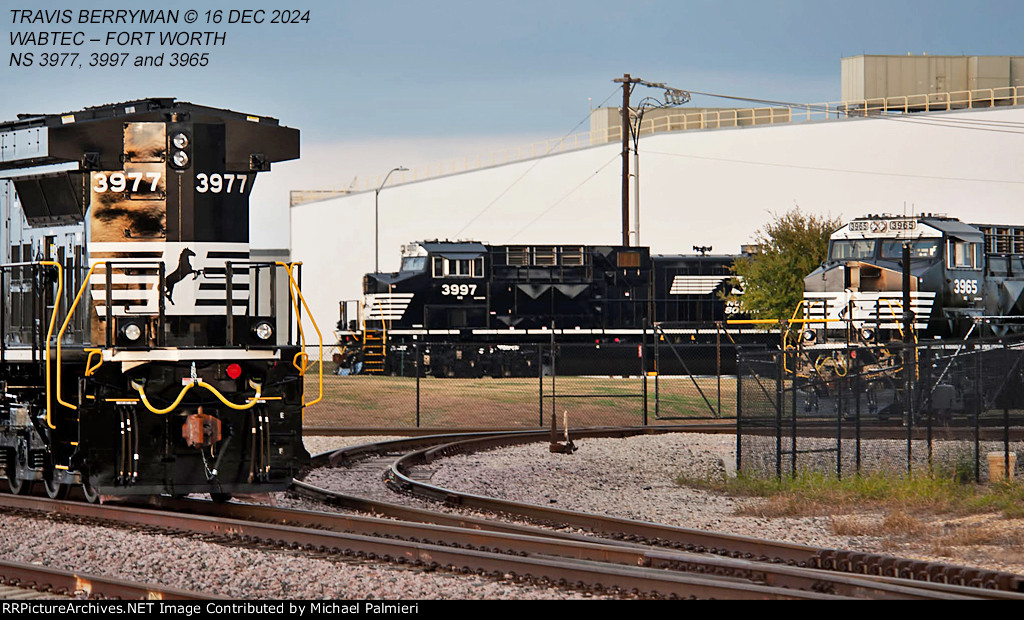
[373, 85]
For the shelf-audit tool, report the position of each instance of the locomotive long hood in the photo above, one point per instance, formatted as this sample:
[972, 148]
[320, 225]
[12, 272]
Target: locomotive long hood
[1010, 297]
[534, 291]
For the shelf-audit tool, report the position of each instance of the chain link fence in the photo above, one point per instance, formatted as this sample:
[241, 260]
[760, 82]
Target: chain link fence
[954, 410]
[441, 385]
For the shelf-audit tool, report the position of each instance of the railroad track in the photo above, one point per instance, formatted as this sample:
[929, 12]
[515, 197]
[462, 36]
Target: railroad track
[400, 476]
[428, 540]
[476, 546]
[28, 582]
[868, 428]
[317, 538]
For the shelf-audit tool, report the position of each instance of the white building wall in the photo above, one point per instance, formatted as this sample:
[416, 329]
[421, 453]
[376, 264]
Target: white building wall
[714, 187]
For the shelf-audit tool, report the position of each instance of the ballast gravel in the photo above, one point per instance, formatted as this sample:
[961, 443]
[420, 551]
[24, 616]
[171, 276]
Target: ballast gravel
[632, 478]
[636, 478]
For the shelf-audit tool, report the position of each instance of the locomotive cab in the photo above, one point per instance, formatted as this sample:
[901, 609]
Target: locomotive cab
[146, 351]
[482, 300]
[957, 276]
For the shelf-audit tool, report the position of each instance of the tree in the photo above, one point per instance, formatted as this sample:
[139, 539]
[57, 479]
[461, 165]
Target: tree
[792, 246]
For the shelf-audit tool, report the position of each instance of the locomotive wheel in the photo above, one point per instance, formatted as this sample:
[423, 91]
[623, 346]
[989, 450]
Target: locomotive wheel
[220, 498]
[91, 494]
[16, 484]
[54, 489]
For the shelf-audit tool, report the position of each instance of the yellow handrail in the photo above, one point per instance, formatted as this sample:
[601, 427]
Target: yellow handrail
[60, 336]
[49, 335]
[777, 321]
[89, 368]
[293, 286]
[298, 293]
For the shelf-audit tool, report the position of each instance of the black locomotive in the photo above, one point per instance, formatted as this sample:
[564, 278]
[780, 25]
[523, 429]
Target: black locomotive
[966, 280]
[480, 305]
[142, 350]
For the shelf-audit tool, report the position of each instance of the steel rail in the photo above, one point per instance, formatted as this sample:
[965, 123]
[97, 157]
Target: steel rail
[405, 513]
[94, 586]
[870, 429]
[535, 542]
[581, 573]
[351, 454]
[732, 545]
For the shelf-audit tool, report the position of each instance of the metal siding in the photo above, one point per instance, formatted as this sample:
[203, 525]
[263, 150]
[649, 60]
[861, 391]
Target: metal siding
[876, 77]
[988, 72]
[1016, 71]
[23, 144]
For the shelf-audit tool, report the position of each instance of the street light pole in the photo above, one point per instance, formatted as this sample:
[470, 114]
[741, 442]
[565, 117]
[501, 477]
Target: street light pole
[376, 218]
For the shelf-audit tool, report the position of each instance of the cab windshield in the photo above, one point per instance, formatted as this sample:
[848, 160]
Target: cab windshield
[848, 249]
[924, 249]
[414, 263]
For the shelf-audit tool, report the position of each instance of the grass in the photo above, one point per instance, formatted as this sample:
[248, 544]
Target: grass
[382, 401]
[814, 494]
[938, 515]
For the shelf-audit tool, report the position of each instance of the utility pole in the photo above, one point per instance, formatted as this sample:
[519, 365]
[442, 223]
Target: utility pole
[673, 97]
[627, 88]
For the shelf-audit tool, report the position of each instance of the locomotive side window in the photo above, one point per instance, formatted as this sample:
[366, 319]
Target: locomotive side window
[963, 255]
[461, 268]
[852, 249]
[458, 267]
[893, 250]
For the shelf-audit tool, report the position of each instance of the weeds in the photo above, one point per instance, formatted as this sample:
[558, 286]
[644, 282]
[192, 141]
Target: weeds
[810, 494]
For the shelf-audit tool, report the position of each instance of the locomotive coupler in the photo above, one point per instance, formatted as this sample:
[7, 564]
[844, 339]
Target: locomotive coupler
[201, 430]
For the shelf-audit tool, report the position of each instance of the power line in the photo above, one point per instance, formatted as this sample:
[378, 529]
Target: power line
[562, 199]
[839, 170]
[528, 170]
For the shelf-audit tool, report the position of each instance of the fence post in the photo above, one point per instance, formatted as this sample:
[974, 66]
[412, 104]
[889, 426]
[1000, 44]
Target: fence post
[657, 373]
[780, 365]
[554, 372]
[793, 424]
[977, 415]
[856, 423]
[739, 413]
[540, 385]
[419, 366]
[718, 363]
[926, 402]
[643, 366]
[908, 409]
[1006, 415]
[839, 425]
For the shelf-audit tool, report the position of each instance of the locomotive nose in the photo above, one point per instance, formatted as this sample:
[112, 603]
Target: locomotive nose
[868, 278]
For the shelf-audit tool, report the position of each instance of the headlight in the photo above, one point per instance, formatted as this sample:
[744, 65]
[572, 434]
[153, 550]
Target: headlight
[263, 330]
[132, 331]
[808, 336]
[180, 159]
[179, 141]
[867, 334]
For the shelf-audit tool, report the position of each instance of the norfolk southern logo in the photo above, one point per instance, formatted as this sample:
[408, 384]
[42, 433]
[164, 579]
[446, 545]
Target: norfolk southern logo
[183, 271]
[195, 283]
